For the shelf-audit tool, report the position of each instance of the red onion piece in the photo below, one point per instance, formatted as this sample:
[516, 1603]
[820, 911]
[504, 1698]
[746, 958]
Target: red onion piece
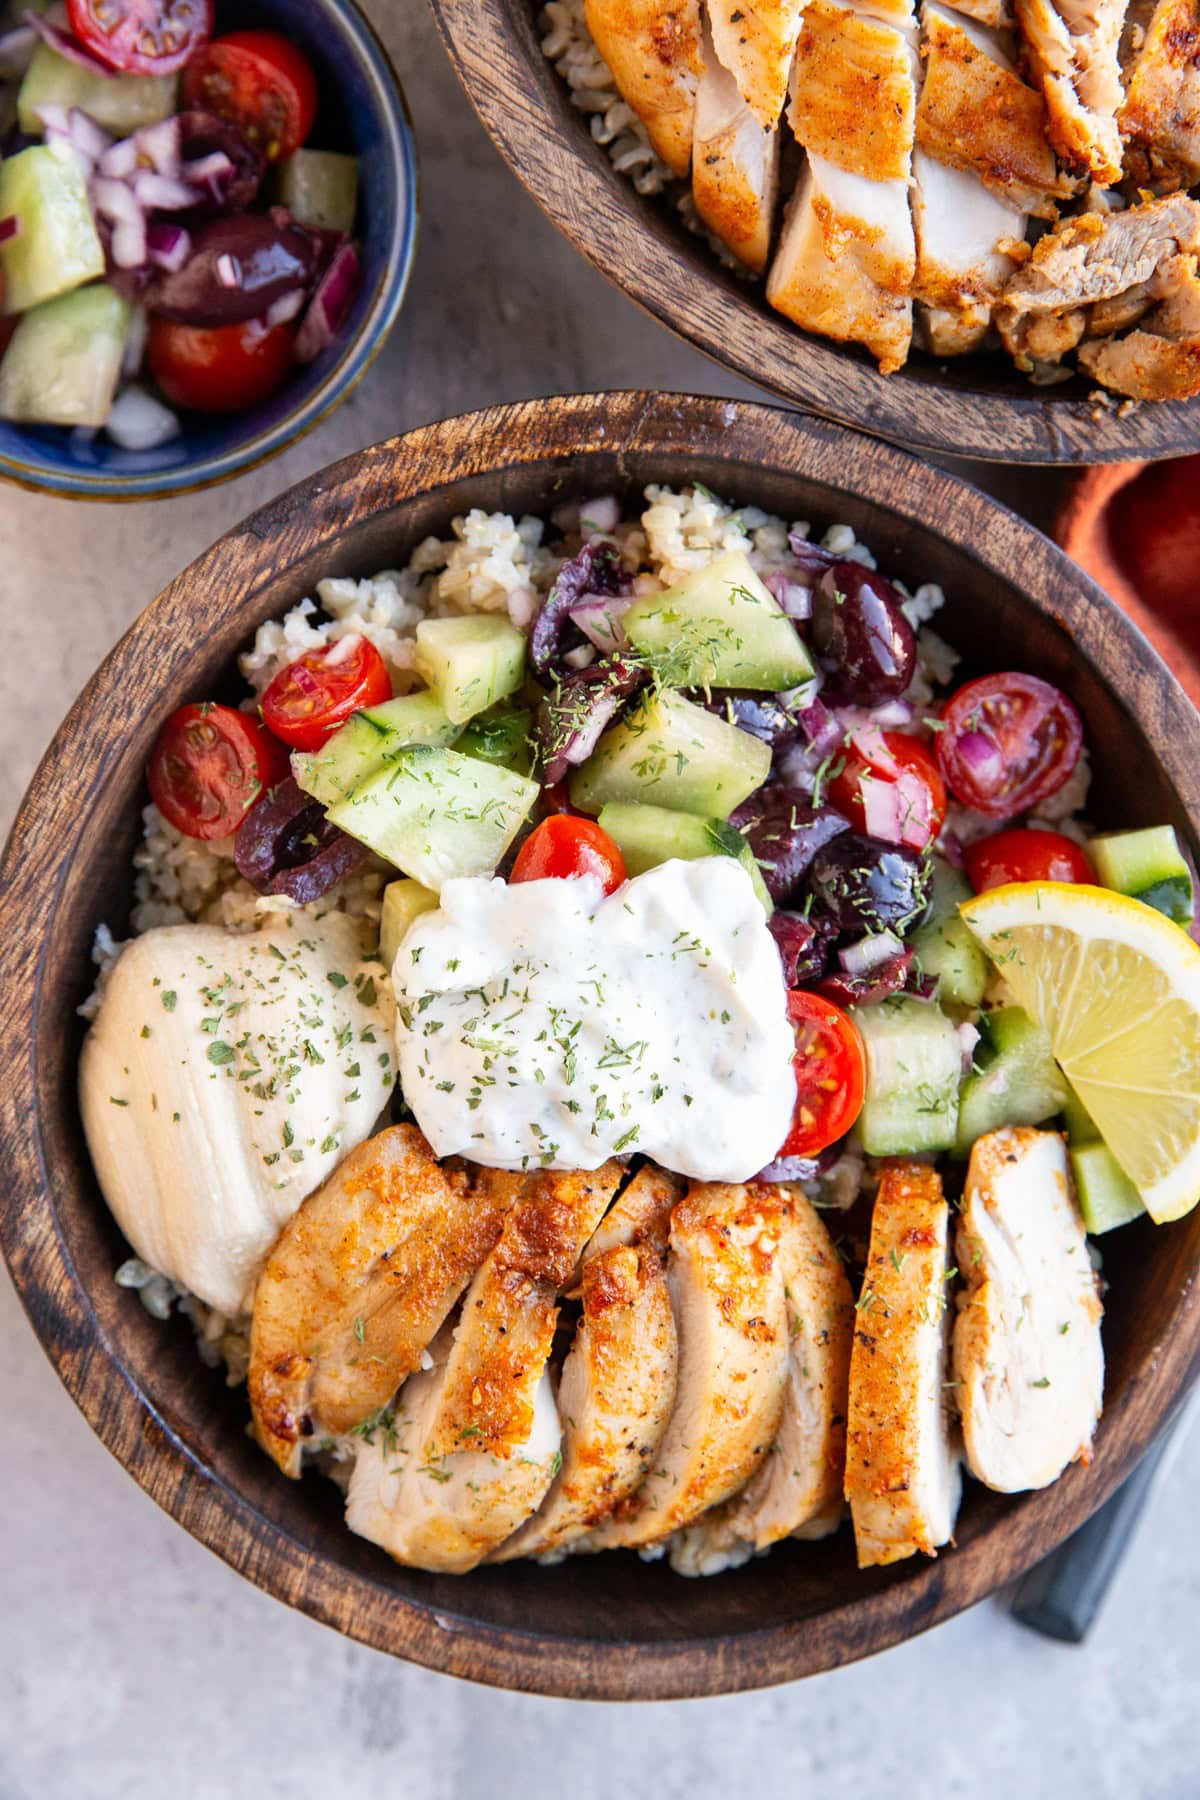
[160, 145]
[120, 206]
[215, 167]
[801, 1168]
[140, 422]
[66, 44]
[594, 572]
[812, 559]
[285, 309]
[981, 755]
[890, 977]
[16, 52]
[120, 160]
[795, 599]
[162, 193]
[228, 272]
[821, 728]
[570, 721]
[867, 954]
[598, 518]
[599, 617]
[168, 246]
[9, 228]
[330, 305]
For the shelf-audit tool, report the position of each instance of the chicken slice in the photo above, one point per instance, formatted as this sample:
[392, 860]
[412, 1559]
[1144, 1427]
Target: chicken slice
[614, 1399]
[854, 92]
[964, 238]
[1074, 52]
[641, 1213]
[480, 1439]
[797, 1491]
[1160, 120]
[726, 1283]
[652, 48]
[359, 1282]
[847, 259]
[903, 1479]
[1027, 1354]
[1160, 360]
[997, 15]
[756, 43]
[735, 166]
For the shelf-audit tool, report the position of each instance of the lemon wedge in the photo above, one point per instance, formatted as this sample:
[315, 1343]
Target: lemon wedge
[1117, 986]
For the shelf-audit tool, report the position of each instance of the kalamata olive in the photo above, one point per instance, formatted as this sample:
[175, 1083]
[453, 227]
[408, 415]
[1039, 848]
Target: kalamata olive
[238, 267]
[803, 946]
[862, 884]
[765, 716]
[286, 845]
[201, 135]
[860, 633]
[785, 833]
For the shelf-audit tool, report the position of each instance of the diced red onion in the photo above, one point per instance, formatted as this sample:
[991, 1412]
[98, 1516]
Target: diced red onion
[119, 160]
[948, 845]
[330, 305]
[869, 952]
[67, 44]
[813, 560]
[55, 119]
[968, 1037]
[228, 273]
[889, 715]
[135, 343]
[599, 616]
[820, 727]
[119, 205]
[160, 145]
[283, 310]
[16, 52]
[168, 246]
[795, 599]
[140, 422]
[891, 977]
[162, 193]
[597, 518]
[980, 754]
[210, 170]
[9, 228]
[790, 1168]
[582, 657]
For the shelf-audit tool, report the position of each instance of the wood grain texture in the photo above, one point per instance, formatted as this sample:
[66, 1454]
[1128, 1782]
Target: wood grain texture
[605, 1627]
[978, 407]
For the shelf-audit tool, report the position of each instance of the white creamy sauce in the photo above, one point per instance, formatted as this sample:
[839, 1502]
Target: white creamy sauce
[223, 1080]
[540, 1026]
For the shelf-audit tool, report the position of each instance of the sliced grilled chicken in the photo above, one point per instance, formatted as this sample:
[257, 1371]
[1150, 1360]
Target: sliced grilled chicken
[976, 114]
[358, 1284]
[1074, 50]
[641, 1214]
[1027, 1355]
[997, 15]
[964, 236]
[756, 43]
[797, 1491]
[735, 166]
[481, 1434]
[615, 1399]
[652, 48]
[1160, 120]
[903, 1479]
[1161, 359]
[726, 1283]
[854, 92]
[1095, 257]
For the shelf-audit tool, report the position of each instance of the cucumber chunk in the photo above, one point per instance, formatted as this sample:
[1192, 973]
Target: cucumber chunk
[437, 814]
[1107, 1197]
[64, 361]
[320, 188]
[57, 247]
[649, 835]
[121, 103]
[1080, 1126]
[671, 753]
[914, 1065]
[1018, 1082]
[366, 741]
[403, 901]
[721, 628]
[502, 736]
[470, 663]
[1149, 866]
[944, 944]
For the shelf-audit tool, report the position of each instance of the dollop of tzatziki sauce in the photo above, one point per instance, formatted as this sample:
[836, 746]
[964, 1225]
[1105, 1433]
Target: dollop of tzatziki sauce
[540, 1025]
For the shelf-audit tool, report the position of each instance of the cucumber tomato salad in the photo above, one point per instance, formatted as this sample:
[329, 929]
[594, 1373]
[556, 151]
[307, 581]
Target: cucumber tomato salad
[170, 238]
[697, 882]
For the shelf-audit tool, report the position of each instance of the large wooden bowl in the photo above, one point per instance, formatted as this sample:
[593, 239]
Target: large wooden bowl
[604, 1627]
[977, 406]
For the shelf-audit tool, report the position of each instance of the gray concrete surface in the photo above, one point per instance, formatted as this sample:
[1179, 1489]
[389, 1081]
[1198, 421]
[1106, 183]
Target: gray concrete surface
[134, 1665]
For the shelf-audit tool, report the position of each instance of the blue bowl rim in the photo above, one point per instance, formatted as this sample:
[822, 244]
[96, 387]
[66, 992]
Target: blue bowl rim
[189, 478]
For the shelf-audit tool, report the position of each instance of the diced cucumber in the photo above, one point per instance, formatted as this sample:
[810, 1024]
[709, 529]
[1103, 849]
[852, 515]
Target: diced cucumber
[366, 741]
[1107, 1197]
[320, 188]
[944, 944]
[1017, 1081]
[1147, 865]
[1080, 1126]
[403, 901]
[64, 361]
[914, 1064]
[669, 752]
[436, 814]
[649, 835]
[121, 103]
[56, 247]
[720, 628]
[470, 663]
[500, 736]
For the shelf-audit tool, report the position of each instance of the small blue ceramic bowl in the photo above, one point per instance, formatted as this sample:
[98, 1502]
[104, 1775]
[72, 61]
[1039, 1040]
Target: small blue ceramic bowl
[362, 111]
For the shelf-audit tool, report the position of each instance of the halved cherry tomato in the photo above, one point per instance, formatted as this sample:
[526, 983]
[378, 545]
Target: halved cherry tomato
[209, 765]
[1023, 855]
[1007, 741]
[219, 368]
[562, 847]
[831, 1075]
[307, 701]
[259, 82]
[142, 37]
[907, 804]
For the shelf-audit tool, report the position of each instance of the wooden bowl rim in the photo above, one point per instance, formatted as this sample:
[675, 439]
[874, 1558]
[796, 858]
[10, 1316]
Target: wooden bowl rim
[634, 243]
[311, 517]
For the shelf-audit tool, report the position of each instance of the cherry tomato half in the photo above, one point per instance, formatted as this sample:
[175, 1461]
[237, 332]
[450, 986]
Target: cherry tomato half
[259, 82]
[1025, 856]
[562, 847]
[219, 368]
[1007, 742]
[307, 701]
[894, 792]
[831, 1075]
[141, 37]
[208, 766]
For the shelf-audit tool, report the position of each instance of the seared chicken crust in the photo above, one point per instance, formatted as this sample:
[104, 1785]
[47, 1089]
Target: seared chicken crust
[653, 50]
